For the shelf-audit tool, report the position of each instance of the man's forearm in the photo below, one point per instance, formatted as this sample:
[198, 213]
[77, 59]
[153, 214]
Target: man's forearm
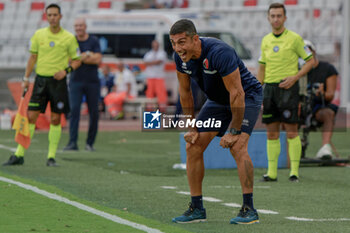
[93, 59]
[261, 73]
[152, 63]
[187, 104]
[237, 109]
[75, 64]
[329, 96]
[306, 68]
[30, 65]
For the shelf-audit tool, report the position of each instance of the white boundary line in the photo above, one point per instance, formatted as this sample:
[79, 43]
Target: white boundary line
[318, 220]
[212, 199]
[261, 211]
[168, 187]
[7, 148]
[13, 149]
[235, 205]
[81, 206]
[237, 186]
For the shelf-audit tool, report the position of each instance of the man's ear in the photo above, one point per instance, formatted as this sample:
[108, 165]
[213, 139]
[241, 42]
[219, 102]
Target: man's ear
[196, 37]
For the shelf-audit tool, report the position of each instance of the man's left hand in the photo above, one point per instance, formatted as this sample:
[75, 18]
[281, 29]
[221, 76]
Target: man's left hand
[60, 75]
[228, 140]
[288, 82]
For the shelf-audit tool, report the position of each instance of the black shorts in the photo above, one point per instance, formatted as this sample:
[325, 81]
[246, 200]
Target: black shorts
[319, 106]
[280, 105]
[219, 112]
[49, 89]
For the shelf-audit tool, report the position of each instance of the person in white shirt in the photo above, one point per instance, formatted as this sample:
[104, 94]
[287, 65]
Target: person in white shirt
[155, 75]
[124, 88]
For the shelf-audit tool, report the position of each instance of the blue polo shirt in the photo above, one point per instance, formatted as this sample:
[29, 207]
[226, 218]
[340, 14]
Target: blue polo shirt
[217, 60]
[87, 73]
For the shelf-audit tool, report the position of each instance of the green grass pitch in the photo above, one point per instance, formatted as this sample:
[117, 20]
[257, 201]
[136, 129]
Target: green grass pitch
[124, 177]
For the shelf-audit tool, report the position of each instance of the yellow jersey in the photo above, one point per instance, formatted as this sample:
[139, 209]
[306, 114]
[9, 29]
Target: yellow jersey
[280, 55]
[53, 50]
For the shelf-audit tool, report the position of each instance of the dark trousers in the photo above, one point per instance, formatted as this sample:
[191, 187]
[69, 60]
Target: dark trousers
[92, 93]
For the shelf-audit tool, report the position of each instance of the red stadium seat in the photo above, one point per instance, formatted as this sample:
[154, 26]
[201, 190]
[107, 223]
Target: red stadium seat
[105, 5]
[185, 4]
[250, 2]
[317, 13]
[290, 2]
[2, 6]
[37, 6]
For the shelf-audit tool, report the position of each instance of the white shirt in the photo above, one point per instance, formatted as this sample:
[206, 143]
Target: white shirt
[122, 79]
[155, 71]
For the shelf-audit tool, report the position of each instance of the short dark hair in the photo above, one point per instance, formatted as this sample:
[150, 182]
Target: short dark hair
[183, 25]
[277, 5]
[53, 5]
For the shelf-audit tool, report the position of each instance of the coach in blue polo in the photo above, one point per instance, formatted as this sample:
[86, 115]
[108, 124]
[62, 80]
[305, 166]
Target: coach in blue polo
[234, 98]
[85, 82]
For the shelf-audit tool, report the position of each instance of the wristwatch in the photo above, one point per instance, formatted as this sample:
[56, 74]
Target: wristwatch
[234, 131]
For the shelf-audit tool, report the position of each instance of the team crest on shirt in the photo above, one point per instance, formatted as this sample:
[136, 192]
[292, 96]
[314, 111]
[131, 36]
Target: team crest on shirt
[60, 105]
[206, 67]
[52, 44]
[287, 114]
[206, 63]
[276, 49]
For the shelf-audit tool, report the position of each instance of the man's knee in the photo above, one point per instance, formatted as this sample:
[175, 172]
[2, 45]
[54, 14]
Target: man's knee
[194, 152]
[55, 118]
[292, 130]
[291, 135]
[274, 135]
[325, 115]
[33, 116]
[273, 131]
[194, 148]
[239, 150]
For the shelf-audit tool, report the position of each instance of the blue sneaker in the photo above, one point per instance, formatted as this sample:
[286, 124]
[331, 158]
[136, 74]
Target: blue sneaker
[191, 215]
[246, 216]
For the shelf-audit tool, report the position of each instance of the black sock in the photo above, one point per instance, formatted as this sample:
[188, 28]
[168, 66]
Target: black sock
[248, 200]
[197, 202]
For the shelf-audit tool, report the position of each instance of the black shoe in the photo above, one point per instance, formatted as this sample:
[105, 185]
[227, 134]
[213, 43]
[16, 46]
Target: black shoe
[71, 147]
[294, 178]
[266, 178]
[89, 148]
[51, 162]
[14, 160]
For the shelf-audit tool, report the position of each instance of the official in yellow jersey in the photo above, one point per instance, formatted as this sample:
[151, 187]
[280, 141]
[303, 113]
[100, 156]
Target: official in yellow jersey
[278, 69]
[55, 52]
